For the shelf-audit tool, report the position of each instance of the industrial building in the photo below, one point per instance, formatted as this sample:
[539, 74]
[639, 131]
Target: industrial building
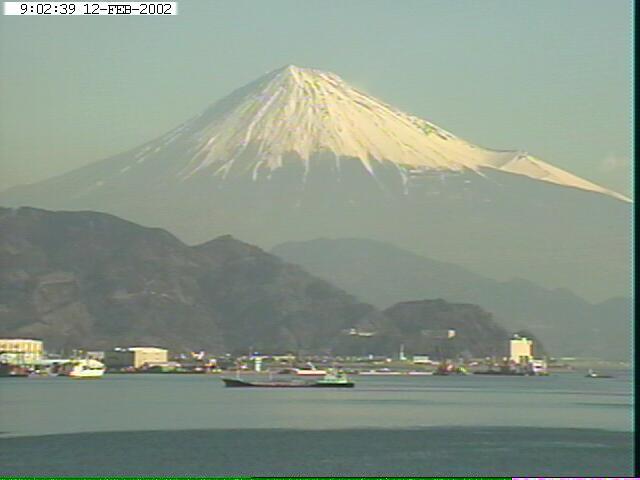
[520, 350]
[135, 357]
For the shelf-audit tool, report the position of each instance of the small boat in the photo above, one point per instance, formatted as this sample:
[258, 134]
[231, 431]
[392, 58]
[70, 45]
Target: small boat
[7, 370]
[330, 380]
[593, 374]
[446, 368]
[88, 368]
[334, 380]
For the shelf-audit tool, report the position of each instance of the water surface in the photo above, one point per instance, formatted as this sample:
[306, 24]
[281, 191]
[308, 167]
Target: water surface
[190, 424]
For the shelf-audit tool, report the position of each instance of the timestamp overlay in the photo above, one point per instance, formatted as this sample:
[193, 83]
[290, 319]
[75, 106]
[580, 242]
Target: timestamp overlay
[90, 8]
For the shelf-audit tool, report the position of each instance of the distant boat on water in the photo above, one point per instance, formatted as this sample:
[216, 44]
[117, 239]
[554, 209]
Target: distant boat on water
[88, 368]
[446, 368]
[330, 380]
[8, 370]
[594, 374]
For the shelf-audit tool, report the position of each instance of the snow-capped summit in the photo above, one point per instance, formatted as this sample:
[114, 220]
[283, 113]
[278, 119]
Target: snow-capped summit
[298, 112]
[299, 154]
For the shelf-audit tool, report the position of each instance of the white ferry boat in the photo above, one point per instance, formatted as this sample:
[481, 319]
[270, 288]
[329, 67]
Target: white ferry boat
[87, 368]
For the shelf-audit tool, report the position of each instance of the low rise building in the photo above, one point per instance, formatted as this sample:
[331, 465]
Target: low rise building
[20, 351]
[136, 357]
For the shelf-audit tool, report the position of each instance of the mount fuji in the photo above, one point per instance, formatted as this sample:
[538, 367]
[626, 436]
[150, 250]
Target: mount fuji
[299, 154]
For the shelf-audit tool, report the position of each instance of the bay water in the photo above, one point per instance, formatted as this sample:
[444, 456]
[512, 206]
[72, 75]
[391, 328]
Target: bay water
[561, 425]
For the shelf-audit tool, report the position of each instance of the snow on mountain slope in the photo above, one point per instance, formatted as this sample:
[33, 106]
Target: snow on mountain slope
[301, 112]
[298, 154]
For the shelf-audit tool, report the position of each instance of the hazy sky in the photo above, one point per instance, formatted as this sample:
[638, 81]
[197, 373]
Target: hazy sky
[552, 77]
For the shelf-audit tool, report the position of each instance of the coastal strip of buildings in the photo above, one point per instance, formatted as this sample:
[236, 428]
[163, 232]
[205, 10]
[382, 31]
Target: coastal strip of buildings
[30, 354]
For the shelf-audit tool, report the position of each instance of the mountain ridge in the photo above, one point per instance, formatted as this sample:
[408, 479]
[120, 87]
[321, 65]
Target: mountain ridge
[383, 275]
[93, 281]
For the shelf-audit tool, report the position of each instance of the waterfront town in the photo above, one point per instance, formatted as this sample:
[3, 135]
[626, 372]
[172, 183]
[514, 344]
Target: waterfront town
[20, 357]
